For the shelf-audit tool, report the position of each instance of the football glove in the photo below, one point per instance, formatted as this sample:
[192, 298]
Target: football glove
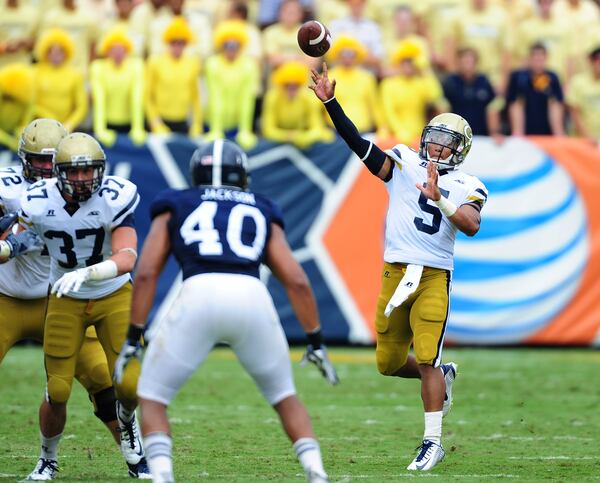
[7, 221]
[23, 242]
[70, 282]
[319, 358]
[128, 352]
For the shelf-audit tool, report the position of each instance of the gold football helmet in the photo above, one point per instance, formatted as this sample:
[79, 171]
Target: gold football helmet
[449, 131]
[77, 155]
[38, 142]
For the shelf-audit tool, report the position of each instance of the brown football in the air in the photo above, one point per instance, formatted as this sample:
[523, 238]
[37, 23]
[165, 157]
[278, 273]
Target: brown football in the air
[314, 38]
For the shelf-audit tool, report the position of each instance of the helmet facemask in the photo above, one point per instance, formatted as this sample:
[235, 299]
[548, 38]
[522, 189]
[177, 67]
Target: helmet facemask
[80, 190]
[35, 173]
[442, 137]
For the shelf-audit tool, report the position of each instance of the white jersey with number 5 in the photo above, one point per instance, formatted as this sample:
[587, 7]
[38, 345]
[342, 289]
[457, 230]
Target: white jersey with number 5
[84, 237]
[416, 230]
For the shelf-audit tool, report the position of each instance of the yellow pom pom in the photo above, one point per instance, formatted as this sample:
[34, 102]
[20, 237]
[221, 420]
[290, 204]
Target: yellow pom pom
[346, 42]
[116, 36]
[406, 50]
[291, 73]
[178, 29]
[16, 80]
[53, 37]
[230, 30]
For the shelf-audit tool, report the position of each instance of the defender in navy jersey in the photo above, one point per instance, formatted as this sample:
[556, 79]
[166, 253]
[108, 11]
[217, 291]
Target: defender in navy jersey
[220, 234]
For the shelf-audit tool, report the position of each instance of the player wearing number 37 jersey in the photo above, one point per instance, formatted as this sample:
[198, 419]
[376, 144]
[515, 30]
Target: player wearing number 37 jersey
[85, 219]
[429, 201]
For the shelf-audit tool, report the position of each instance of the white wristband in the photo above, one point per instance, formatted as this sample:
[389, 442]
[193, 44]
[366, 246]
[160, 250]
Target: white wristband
[103, 270]
[446, 206]
[5, 249]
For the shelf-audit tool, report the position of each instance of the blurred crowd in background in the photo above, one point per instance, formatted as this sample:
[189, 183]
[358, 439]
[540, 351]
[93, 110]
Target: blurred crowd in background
[214, 68]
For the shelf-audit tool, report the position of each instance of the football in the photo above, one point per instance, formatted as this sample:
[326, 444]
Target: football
[314, 38]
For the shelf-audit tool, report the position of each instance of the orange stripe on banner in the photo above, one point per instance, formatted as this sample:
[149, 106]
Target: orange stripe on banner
[355, 242]
[579, 322]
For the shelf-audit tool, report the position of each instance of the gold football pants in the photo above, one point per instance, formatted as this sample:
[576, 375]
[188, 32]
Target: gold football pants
[24, 319]
[420, 320]
[66, 322]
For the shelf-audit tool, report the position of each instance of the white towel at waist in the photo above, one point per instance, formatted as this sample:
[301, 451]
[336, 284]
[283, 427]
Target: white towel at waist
[407, 286]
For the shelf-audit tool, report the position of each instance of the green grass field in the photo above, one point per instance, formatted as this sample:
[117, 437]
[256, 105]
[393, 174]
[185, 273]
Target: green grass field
[525, 415]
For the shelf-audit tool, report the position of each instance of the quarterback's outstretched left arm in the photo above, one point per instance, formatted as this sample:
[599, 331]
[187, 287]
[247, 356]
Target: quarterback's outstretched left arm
[376, 161]
[124, 244]
[466, 217]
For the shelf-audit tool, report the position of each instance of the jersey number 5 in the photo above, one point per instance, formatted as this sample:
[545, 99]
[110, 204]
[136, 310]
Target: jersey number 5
[199, 227]
[434, 211]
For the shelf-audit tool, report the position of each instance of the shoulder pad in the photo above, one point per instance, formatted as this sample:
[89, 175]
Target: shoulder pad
[12, 184]
[120, 196]
[164, 201]
[35, 198]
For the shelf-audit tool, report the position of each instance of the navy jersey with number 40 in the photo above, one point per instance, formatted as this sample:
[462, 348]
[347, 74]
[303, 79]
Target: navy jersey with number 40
[217, 229]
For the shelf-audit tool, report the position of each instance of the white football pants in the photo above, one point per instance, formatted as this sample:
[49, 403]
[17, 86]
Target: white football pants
[211, 308]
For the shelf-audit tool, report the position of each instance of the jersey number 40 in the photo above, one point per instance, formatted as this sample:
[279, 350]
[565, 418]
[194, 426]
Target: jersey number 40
[199, 227]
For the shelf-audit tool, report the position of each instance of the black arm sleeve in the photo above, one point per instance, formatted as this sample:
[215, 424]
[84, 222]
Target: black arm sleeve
[371, 155]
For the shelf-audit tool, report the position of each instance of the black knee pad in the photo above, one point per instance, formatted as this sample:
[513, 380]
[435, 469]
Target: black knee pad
[105, 404]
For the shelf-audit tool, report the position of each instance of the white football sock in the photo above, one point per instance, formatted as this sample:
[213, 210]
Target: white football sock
[433, 426]
[49, 446]
[309, 455]
[158, 448]
[124, 414]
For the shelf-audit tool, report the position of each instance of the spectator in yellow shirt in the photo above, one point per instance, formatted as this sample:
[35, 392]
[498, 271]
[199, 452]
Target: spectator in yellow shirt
[59, 87]
[290, 113]
[583, 99]
[83, 28]
[483, 27]
[16, 103]
[232, 82]
[18, 26]
[124, 20]
[410, 95]
[356, 86]
[548, 29]
[405, 28]
[172, 78]
[117, 82]
[280, 40]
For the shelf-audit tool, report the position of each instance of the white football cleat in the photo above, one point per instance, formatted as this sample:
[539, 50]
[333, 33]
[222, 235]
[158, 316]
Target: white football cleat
[430, 454]
[131, 444]
[45, 470]
[450, 371]
[140, 470]
[314, 477]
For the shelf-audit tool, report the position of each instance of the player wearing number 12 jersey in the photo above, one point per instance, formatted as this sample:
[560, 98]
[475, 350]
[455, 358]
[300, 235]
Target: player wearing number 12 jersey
[429, 201]
[220, 233]
[85, 219]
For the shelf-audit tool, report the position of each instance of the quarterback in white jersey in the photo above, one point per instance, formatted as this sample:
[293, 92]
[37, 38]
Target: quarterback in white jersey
[418, 233]
[429, 200]
[86, 222]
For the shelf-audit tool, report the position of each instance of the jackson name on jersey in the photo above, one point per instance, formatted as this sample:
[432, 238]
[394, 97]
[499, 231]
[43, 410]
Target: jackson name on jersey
[26, 276]
[416, 231]
[221, 230]
[83, 238]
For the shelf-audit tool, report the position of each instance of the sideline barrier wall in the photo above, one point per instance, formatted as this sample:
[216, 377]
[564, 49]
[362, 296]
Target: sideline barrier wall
[532, 274]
